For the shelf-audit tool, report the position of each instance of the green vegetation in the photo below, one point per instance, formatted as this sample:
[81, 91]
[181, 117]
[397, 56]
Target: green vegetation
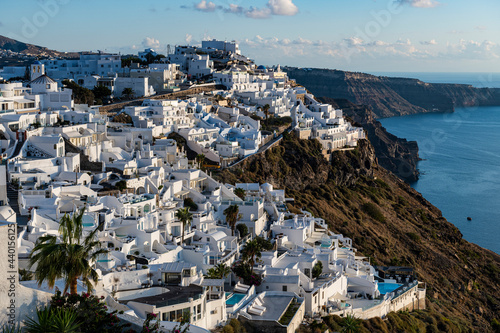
[373, 211]
[414, 237]
[68, 258]
[251, 252]
[188, 202]
[25, 275]
[234, 326]
[200, 159]
[75, 313]
[287, 317]
[128, 93]
[317, 269]
[241, 193]
[233, 215]
[242, 230]
[121, 185]
[220, 271]
[185, 216]
[81, 95]
[414, 232]
[101, 94]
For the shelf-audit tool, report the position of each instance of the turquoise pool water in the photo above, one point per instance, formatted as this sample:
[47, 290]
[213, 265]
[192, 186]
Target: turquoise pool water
[104, 260]
[235, 299]
[385, 287]
[88, 224]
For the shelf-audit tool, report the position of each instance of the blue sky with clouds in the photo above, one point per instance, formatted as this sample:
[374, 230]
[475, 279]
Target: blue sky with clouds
[357, 35]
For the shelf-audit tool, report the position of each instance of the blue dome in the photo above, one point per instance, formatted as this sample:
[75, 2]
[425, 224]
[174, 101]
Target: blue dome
[37, 63]
[261, 67]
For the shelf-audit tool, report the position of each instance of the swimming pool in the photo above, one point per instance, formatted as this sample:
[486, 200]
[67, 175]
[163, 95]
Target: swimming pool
[234, 299]
[385, 287]
[88, 224]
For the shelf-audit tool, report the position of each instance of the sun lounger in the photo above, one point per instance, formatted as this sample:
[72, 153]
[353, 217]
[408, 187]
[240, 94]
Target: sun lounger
[255, 311]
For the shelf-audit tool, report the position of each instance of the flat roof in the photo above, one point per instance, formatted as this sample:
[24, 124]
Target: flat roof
[175, 295]
[275, 306]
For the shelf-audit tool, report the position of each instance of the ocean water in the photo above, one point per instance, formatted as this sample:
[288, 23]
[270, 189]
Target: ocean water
[460, 170]
[479, 80]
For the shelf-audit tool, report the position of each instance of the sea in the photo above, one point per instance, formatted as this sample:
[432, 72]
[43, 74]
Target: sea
[460, 167]
[478, 80]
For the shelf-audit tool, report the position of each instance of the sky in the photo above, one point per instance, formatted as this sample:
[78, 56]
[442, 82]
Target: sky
[354, 35]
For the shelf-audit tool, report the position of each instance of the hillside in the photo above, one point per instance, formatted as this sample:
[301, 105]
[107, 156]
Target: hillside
[394, 154]
[389, 96]
[392, 224]
[30, 49]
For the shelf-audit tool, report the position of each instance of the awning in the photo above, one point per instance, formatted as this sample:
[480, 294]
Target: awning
[338, 297]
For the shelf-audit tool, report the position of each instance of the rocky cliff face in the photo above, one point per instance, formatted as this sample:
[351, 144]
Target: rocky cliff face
[400, 228]
[375, 97]
[389, 96]
[395, 154]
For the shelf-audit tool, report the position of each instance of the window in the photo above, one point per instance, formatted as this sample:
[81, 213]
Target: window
[285, 288]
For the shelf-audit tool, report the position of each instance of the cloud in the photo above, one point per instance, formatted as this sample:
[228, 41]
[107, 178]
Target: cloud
[473, 50]
[429, 42]
[257, 13]
[419, 3]
[355, 50]
[205, 6]
[480, 28]
[234, 9]
[282, 7]
[150, 42]
[272, 8]
[188, 38]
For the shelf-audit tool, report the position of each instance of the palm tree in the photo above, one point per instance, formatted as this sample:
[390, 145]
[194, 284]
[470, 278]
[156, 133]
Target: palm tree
[350, 324]
[240, 192]
[70, 258]
[200, 158]
[251, 251]
[232, 216]
[221, 271]
[185, 216]
[266, 111]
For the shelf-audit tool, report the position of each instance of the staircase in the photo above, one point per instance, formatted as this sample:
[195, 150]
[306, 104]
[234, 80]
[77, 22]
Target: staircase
[12, 195]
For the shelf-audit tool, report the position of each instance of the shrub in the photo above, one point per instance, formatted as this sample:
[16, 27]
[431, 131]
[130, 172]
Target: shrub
[121, 185]
[373, 211]
[188, 202]
[414, 237]
[242, 229]
[228, 329]
[317, 269]
[91, 312]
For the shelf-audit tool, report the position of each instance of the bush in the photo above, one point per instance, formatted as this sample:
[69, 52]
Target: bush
[373, 211]
[495, 324]
[242, 229]
[414, 237]
[228, 329]
[121, 185]
[317, 269]
[188, 202]
[91, 312]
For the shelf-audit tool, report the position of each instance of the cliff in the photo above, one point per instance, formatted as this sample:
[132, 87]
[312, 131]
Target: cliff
[399, 228]
[375, 97]
[389, 96]
[395, 154]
